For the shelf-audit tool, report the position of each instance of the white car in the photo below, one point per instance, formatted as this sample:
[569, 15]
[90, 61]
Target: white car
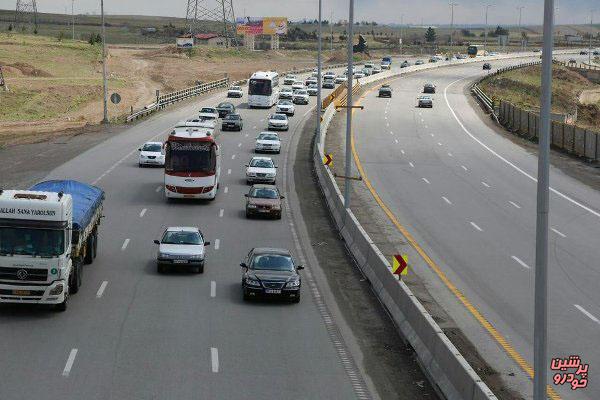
[359, 74]
[297, 85]
[286, 107]
[267, 142]
[301, 97]
[312, 90]
[209, 113]
[261, 170]
[376, 69]
[151, 153]
[341, 79]
[181, 246]
[290, 79]
[329, 74]
[235, 91]
[278, 122]
[286, 93]
[310, 81]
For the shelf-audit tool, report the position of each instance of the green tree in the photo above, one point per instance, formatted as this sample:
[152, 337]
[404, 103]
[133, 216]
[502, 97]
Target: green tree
[10, 27]
[430, 35]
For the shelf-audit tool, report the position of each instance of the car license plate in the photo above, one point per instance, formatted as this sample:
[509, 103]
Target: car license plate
[273, 291]
[180, 261]
[264, 211]
[21, 292]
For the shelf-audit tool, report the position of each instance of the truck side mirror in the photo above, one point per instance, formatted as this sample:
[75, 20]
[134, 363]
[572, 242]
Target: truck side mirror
[299, 267]
[156, 241]
[206, 244]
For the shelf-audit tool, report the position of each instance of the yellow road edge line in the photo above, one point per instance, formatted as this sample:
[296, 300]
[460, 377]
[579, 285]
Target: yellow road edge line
[500, 339]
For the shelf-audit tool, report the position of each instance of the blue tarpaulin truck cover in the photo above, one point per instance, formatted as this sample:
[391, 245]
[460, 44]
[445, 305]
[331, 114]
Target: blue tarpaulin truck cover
[86, 198]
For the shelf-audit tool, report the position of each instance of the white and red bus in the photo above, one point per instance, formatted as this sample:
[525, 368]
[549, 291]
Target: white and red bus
[192, 164]
[263, 89]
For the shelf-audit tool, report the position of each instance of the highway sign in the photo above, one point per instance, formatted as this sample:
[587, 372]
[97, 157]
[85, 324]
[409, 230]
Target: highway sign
[400, 264]
[115, 98]
[328, 159]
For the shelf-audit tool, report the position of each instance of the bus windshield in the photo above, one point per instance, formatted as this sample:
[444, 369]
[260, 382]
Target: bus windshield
[191, 157]
[260, 87]
[32, 242]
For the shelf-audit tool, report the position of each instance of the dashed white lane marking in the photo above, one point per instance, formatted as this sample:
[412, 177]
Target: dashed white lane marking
[558, 193]
[143, 212]
[474, 225]
[239, 145]
[514, 204]
[450, 155]
[217, 244]
[226, 189]
[446, 200]
[411, 164]
[587, 313]
[101, 289]
[426, 181]
[432, 135]
[439, 144]
[246, 135]
[396, 140]
[254, 127]
[69, 364]
[125, 243]
[158, 189]
[214, 359]
[426, 126]
[559, 233]
[213, 289]
[229, 171]
[233, 157]
[221, 211]
[387, 124]
[422, 120]
[385, 117]
[402, 151]
[485, 184]
[521, 262]
[463, 167]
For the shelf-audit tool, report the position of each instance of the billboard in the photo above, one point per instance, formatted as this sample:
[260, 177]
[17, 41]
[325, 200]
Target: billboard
[261, 26]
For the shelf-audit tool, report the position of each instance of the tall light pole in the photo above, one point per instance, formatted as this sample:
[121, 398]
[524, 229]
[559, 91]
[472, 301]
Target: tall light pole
[520, 8]
[319, 84]
[540, 327]
[350, 102]
[401, 31]
[487, 7]
[104, 82]
[331, 29]
[73, 18]
[452, 4]
[591, 30]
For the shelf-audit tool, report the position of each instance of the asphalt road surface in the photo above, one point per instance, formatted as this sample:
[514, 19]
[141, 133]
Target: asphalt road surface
[468, 195]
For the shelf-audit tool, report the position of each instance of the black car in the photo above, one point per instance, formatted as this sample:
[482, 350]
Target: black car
[429, 88]
[583, 53]
[270, 273]
[385, 91]
[487, 66]
[225, 108]
[232, 122]
[404, 64]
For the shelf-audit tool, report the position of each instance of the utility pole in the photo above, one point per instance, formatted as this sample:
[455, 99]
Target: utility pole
[104, 82]
[452, 4]
[520, 8]
[350, 102]
[331, 29]
[401, 32]
[487, 7]
[319, 106]
[540, 329]
[591, 30]
[73, 18]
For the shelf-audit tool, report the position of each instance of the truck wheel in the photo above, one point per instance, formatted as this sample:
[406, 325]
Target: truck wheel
[89, 250]
[95, 243]
[75, 278]
[61, 307]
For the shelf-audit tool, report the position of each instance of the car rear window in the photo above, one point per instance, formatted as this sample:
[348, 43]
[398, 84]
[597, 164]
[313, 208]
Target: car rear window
[274, 262]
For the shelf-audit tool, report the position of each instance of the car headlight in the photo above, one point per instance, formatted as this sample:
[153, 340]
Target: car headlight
[198, 257]
[164, 255]
[142, 156]
[252, 282]
[250, 174]
[271, 175]
[293, 284]
[58, 289]
[251, 205]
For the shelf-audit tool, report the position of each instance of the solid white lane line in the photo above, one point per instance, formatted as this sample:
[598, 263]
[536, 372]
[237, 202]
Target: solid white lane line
[158, 189]
[446, 200]
[514, 204]
[559, 233]
[214, 359]
[221, 211]
[426, 181]
[587, 313]
[517, 259]
[125, 243]
[233, 157]
[213, 289]
[558, 193]
[239, 145]
[485, 184]
[229, 171]
[100, 291]
[226, 189]
[217, 244]
[402, 151]
[411, 164]
[476, 226]
[463, 167]
[69, 363]
[450, 154]
[143, 212]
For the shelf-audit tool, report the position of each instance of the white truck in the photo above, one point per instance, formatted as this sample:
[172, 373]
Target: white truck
[47, 233]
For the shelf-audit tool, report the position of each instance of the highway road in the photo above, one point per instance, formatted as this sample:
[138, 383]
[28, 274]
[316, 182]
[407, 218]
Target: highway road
[133, 334]
[468, 195]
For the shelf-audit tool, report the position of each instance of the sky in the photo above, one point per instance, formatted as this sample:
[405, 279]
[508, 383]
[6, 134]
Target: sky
[431, 12]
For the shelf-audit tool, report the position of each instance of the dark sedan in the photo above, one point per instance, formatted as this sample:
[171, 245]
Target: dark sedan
[232, 122]
[487, 66]
[225, 108]
[425, 102]
[385, 91]
[429, 88]
[263, 200]
[269, 272]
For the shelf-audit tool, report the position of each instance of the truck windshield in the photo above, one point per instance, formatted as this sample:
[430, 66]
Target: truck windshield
[32, 242]
[260, 87]
[191, 157]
